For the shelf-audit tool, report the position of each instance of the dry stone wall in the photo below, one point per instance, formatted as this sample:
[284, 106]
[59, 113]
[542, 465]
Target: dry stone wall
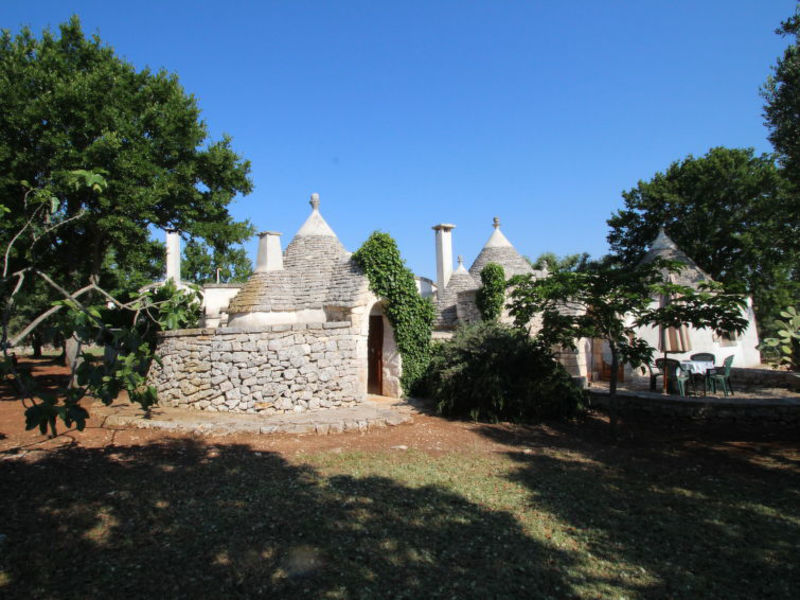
[764, 378]
[272, 369]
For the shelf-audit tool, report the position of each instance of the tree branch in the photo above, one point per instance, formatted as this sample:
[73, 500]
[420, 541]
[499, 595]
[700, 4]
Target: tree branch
[47, 230]
[16, 237]
[35, 323]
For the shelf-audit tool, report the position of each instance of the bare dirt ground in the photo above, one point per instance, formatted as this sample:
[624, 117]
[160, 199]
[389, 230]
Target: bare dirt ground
[428, 433]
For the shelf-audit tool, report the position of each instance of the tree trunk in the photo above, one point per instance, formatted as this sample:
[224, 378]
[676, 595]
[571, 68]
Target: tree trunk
[73, 357]
[36, 343]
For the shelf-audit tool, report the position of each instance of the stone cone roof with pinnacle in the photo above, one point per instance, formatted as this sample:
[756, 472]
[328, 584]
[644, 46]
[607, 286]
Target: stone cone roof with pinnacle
[446, 305]
[317, 272]
[500, 251]
[664, 247]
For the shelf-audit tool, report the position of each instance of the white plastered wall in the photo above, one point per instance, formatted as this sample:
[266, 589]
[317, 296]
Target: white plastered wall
[744, 349]
[215, 302]
[260, 319]
[371, 305]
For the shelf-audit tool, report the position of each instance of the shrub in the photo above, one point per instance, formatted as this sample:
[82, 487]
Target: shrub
[492, 372]
[787, 344]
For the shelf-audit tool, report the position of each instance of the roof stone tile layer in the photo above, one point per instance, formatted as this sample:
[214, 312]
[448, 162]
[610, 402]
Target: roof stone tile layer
[317, 272]
[664, 247]
[446, 306]
[500, 251]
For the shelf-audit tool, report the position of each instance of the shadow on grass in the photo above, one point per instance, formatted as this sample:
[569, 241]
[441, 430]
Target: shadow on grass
[678, 516]
[183, 519]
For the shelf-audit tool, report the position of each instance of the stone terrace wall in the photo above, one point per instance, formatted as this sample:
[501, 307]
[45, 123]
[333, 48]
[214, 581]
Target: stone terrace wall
[272, 369]
[740, 410]
[764, 378]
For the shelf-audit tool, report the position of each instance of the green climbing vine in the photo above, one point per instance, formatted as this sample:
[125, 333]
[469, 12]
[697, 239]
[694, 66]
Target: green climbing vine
[410, 314]
[492, 294]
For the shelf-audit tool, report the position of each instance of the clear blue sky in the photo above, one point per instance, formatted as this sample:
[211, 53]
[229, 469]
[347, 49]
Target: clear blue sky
[402, 115]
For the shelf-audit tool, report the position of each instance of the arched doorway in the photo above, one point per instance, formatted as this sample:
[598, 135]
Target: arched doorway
[375, 355]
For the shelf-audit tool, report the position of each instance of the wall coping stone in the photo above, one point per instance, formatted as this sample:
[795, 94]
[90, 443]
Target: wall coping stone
[260, 329]
[211, 286]
[729, 402]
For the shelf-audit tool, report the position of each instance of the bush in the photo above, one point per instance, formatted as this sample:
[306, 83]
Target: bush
[787, 345]
[492, 372]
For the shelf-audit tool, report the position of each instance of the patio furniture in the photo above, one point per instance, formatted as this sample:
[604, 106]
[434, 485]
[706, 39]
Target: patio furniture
[671, 368]
[699, 368]
[722, 376]
[655, 373]
[704, 356]
[683, 376]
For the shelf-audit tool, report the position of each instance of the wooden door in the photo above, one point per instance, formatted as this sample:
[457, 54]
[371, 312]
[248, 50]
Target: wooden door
[375, 355]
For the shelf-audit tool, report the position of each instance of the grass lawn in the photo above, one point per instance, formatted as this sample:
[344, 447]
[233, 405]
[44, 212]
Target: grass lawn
[538, 512]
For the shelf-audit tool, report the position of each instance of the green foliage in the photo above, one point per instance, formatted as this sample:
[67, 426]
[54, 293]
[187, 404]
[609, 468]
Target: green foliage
[410, 314]
[492, 372]
[552, 263]
[68, 103]
[787, 340]
[782, 102]
[492, 294]
[731, 212]
[128, 354]
[591, 304]
[168, 307]
[609, 302]
[200, 263]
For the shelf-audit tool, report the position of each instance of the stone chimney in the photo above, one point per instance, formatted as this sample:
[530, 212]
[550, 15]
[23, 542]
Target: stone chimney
[444, 255]
[270, 256]
[173, 256]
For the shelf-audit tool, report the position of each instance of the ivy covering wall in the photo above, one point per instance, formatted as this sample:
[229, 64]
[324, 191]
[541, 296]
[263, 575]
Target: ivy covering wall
[410, 314]
[492, 294]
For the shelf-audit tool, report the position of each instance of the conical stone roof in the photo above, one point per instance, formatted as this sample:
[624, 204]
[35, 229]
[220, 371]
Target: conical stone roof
[500, 251]
[663, 247]
[446, 306]
[317, 272]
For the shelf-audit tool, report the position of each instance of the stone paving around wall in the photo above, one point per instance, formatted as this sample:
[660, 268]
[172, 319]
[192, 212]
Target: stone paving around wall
[368, 415]
[272, 369]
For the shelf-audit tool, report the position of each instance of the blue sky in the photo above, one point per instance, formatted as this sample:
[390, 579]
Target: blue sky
[402, 115]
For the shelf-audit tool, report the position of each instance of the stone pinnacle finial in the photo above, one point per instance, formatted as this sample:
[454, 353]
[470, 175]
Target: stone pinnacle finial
[314, 202]
[496, 222]
[460, 260]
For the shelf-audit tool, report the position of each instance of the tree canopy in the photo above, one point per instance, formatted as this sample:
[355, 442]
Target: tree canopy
[200, 263]
[781, 93]
[730, 212]
[554, 263]
[68, 102]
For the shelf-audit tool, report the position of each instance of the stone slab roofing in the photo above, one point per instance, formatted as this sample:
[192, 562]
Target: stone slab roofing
[500, 251]
[447, 305]
[664, 247]
[317, 272]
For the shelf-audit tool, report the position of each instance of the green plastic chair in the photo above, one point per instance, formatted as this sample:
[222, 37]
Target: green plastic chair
[722, 376]
[704, 356]
[655, 373]
[683, 376]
